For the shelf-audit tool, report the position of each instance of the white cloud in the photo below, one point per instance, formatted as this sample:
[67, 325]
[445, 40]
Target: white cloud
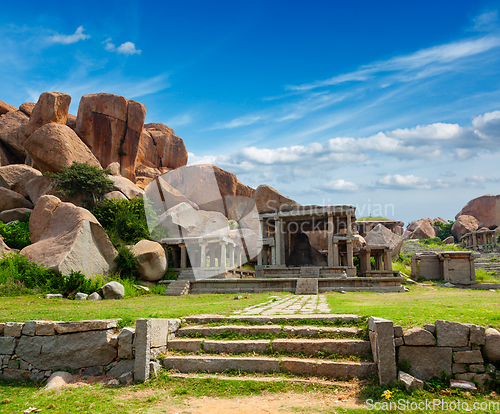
[340, 186]
[410, 182]
[485, 22]
[128, 48]
[69, 39]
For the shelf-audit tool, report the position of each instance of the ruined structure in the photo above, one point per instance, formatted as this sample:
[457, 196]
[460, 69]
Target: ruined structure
[365, 226]
[480, 239]
[454, 267]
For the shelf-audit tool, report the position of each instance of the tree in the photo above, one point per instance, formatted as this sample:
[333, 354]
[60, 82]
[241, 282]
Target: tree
[82, 179]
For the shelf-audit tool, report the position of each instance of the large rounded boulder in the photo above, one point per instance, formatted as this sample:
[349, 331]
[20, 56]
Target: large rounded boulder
[152, 259]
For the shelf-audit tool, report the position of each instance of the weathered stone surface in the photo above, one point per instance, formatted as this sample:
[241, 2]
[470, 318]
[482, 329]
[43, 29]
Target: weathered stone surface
[179, 218]
[125, 341]
[37, 187]
[94, 296]
[221, 364]
[384, 352]
[17, 176]
[29, 328]
[240, 329]
[13, 329]
[54, 147]
[410, 382]
[45, 328]
[53, 296]
[74, 350]
[51, 107]
[6, 156]
[452, 334]
[207, 186]
[425, 361]
[399, 341]
[114, 168]
[122, 367]
[10, 200]
[12, 127]
[66, 237]
[154, 368]
[58, 380]
[116, 195]
[468, 357]
[345, 370]
[7, 345]
[463, 225]
[151, 258]
[430, 328]
[83, 326]
[27, 108]
[477, 335]
[266, 198]
[481, 379]
[16, 214]
[142, 345]
[422, 229]
[449, 240]
[236, 347]
[491, 348]
[16, 374]
[160, 330]
[160, 193]
[71, 121]
[486, 210]
[126, 186]
[382, 236]
[317, 330]
[185, 344]
[398, 331]
[5, 108]
[113, 290]
[419, 336]
[81, 296]
[311, 347]
[210, 223]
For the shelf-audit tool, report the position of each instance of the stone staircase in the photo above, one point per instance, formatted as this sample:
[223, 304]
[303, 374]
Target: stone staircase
[177, 288]
[287, 344]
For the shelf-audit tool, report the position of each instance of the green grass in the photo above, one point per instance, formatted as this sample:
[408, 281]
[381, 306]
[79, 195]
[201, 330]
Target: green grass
[422, 305]
[378, 218]
[482, 276]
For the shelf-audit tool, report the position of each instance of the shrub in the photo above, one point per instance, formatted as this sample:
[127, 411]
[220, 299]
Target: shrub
[82, 179]
[15, 234]
[127, 263]
[444, 230]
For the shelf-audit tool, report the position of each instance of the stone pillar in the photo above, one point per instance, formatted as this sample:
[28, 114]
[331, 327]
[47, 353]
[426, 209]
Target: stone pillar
[222, 260]
[213, 249]
[231, 255]
[278, 236]
[387, 261]
[384, 352]
[364, 262]
[262, 227]
[183, 257]
[350, 252]
[474, 240]
[336, 254]
[378, 261]
[330, 240]
[349, 226]
[142, 349]
[238, 255]
[272, 259]
[203, 255]
[446, 268]
[175, 257]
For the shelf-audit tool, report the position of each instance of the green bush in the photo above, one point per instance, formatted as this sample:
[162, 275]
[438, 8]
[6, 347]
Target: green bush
[15, 234]
[124, 220]
[444, 230]
[127, 264]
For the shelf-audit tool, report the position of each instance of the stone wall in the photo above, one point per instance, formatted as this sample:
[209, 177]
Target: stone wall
[459, 350]
[35, 349]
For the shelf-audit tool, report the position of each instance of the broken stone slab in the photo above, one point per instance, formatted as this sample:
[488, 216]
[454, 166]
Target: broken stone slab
[122, 367]
[398, 331]
[154, 368]
[452, 334]
[94, 371]
[160, 329]
[29, 328]
[74, 350]
[480, 379]
[185, 344]
[419, 337]
[463, 385]
[468, 357]
[13, 329]
[426, 362]
[58, 380]
[126, 378]
[125, 341]
[398, 342]
[53, 296]
[430, 328]
[384, 351]
[83, 326]
[410, 382]
[477, 336]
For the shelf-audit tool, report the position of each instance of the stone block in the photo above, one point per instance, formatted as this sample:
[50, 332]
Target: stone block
[126, 378]
[16, 374]
[121, 367]
[346, 370]
[154, 368]
[452, 334]
[125, 341]
[398, 331]
[430, 328]
[7, 345]
[468, 357]
[458, 368]
[45, 328]
[160, 329]
[479, 368]
[410, 382]
[426, 361]
[13, 329]
[311, 347]
[84, 326]
[113, 341]
[94, 371]
[477, 335]
[156, 352]
[419, 337]
[29, 328]
[480, 379]
[142, 346]
[236, 347]
[76, 350]
[220, 364]
[398, 342]
[491, 348]
[385, 351]
[299, 366]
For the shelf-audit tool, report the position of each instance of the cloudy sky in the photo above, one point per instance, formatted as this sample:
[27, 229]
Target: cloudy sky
[390, 106]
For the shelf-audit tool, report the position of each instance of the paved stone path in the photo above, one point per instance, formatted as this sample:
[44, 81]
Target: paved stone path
[296, 304]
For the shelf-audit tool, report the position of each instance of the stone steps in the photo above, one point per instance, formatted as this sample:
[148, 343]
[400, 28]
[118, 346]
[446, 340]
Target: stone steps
[199, 330]
[296, 366]
[177, 288]
[259, 319]
[309, 347]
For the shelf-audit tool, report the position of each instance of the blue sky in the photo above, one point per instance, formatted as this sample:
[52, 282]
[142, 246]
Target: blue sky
[391, 106]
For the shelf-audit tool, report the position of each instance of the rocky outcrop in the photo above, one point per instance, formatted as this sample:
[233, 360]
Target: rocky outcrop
[5, 107]
[51, 107]
[66, 237]
[16, 176]
[16, 214]
[491, 348]
[3, 247]
[164, 196]
[210, 188]
[382, 236]
[486, 210]
[463, 225]
[37, 187]
[151, 258]
[126, 187]
[27, 108]
[10, 199]
[54, 147]
[422, 229]
[266, 198]
[111, 126]
[12, 126]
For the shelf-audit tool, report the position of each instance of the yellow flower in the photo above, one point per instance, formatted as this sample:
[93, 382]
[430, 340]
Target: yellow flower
[386, 394]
